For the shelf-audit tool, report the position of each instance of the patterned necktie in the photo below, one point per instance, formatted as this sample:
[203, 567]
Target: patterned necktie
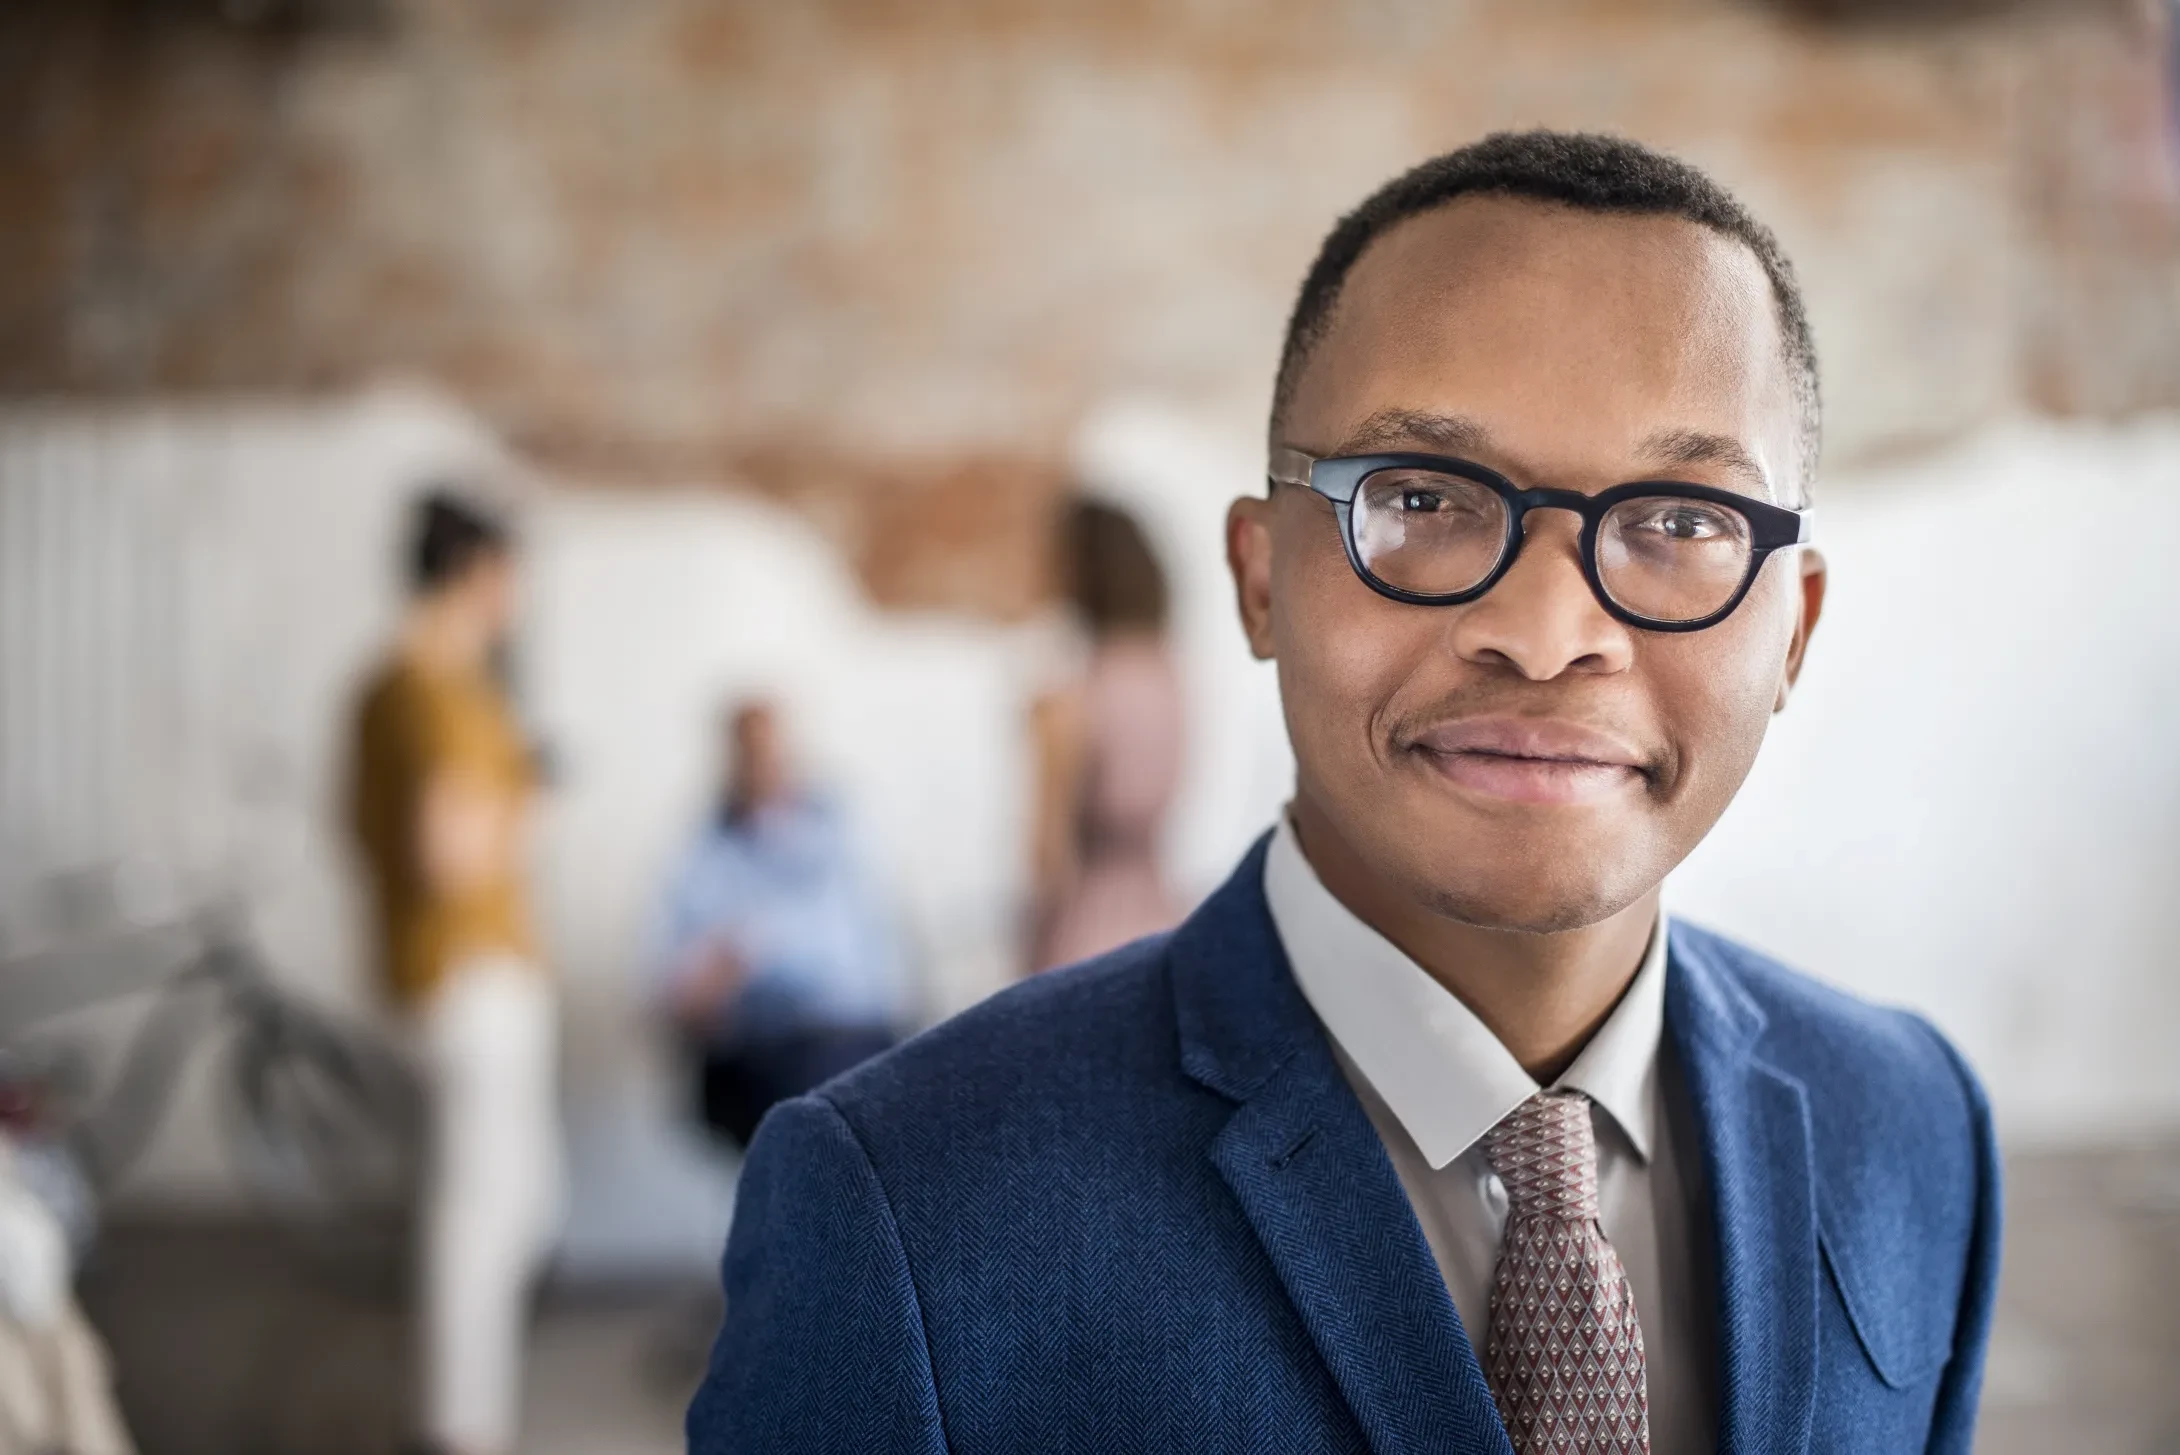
[1565, 1356]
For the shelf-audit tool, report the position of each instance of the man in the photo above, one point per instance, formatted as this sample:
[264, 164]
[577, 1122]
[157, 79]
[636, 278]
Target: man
[775, 958]
[1425, 1133]
[441, 788]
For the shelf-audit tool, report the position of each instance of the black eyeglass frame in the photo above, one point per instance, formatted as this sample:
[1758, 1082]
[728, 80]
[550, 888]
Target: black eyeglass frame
[1771, 527]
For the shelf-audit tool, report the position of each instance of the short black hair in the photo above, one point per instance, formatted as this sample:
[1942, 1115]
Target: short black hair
[1585, 170]
[449, 533]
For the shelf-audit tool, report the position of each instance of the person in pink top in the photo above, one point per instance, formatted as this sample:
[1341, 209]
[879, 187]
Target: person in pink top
[1109, 749]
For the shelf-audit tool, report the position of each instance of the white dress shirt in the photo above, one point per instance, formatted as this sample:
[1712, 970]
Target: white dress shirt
[1434, 1079]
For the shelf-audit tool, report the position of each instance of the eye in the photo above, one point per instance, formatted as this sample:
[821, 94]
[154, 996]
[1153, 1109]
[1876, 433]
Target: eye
[1459, 505]
[1429, 500]
[1685, 521]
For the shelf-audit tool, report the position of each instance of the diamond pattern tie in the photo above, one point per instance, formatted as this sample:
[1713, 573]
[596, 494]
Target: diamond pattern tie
[1565, 1354]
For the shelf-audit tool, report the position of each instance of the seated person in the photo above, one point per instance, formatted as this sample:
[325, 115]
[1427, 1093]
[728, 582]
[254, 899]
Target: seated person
[775, 958]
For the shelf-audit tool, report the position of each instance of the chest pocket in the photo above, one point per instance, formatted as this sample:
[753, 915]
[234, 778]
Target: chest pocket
[1902, 1307]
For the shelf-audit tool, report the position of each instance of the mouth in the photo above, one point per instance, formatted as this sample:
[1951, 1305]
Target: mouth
[1529, 760]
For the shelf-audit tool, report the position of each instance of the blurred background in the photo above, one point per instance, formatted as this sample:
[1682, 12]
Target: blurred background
[789, 340]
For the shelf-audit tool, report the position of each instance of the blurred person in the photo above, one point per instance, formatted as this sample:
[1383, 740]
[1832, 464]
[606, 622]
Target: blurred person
[439, 800]
[56, 1383]
[1109, 749]
[774, 958]
[1429, 1130]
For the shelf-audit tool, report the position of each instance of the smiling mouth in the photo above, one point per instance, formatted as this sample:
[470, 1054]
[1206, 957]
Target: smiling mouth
[1515, 778]
[1518, 779]
[1528, 761]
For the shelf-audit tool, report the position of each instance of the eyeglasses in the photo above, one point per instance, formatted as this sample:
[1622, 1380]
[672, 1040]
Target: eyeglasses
[1436, 531]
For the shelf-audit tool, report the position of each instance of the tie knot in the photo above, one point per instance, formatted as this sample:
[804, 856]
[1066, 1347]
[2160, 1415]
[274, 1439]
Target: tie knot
[1545, 1151]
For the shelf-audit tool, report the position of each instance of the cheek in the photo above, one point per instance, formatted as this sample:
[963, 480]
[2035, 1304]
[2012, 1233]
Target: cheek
[1717, 688]
[1343, 651]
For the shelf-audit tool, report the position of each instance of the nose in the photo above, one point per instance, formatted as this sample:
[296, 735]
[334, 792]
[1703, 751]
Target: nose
[1541, 619]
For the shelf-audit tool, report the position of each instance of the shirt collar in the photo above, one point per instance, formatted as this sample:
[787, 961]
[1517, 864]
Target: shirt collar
[1440, 1070]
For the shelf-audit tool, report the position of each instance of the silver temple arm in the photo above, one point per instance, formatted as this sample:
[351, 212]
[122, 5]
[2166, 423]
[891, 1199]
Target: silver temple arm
[1291, 467]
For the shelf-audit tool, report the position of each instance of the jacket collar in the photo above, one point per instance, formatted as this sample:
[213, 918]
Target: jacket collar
[1440, 1070]
[1760, 1170]
[1306, 1166]
[1302, 1159]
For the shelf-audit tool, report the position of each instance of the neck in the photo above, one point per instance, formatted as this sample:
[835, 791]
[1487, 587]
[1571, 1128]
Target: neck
[742, 805]
[442, 637]
[1542, 994]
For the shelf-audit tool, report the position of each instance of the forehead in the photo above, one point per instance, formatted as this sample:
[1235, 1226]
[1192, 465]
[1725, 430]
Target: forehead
[1575, 340]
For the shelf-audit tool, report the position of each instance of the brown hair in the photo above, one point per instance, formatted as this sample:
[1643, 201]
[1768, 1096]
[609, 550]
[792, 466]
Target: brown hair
[449, 532]
[1112, 575]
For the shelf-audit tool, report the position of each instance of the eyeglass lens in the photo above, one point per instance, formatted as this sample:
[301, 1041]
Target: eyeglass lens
[1665, 558]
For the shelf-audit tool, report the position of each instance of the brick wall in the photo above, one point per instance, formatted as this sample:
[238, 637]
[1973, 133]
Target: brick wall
[879, 256]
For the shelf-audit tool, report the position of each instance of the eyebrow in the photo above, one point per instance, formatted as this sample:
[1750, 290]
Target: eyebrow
[1671, 447]
[1458, 434]
[1450, 433]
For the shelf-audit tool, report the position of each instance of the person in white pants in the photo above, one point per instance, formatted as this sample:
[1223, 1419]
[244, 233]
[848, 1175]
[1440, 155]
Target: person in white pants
[487, 1041]
[439, 792]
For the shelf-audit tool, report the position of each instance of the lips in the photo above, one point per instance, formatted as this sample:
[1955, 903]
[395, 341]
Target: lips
[1530, 760]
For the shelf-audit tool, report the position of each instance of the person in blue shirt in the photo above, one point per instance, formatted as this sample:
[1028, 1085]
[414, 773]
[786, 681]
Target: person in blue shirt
[775, 958]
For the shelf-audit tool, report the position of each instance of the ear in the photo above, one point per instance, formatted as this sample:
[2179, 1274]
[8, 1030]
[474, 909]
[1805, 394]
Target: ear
[1811, 603]
[1249, 557]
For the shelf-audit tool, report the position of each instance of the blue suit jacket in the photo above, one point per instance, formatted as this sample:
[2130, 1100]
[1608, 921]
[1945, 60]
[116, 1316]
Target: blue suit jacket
[1134, 1206]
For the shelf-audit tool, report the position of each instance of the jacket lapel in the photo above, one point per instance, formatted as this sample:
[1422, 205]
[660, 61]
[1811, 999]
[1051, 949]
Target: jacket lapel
[1754, 1124]
[1314, 1182]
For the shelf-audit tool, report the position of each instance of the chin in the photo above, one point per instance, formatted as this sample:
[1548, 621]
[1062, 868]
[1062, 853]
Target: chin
[1537, 888]
[1523, 912]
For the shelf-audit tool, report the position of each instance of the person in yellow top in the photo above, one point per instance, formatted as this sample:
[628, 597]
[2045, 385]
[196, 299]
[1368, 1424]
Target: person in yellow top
[440, 789]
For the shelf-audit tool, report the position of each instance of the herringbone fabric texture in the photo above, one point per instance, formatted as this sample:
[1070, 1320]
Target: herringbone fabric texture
[1565, 1355]
[1134, 1205]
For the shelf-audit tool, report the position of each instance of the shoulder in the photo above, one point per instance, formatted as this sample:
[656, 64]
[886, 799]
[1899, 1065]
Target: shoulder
[821, 816]
[396, 695]
[1072, 1069]
[458, 720]
[1902, 1148]
[1062, 1038]
[382, 689]
[392, 707]
[1054, 1112]
[706, 852]
[1833, 1040]
[820, 805]
[1900, 1130]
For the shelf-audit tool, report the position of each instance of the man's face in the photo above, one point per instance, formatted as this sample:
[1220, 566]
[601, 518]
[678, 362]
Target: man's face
[759, 756]
[1525, 761]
